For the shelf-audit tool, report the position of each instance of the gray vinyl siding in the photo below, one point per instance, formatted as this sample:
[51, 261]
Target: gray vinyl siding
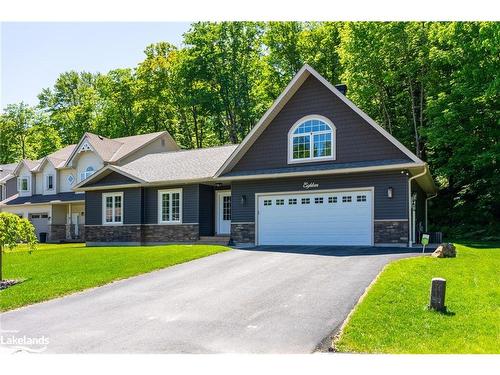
[93, 207]
[190, 199]
[33, 184]
[207, 210]
[112, 179]
[385, 208]
[132, 206]
[11, 187]
[356, 139]
[140, 205]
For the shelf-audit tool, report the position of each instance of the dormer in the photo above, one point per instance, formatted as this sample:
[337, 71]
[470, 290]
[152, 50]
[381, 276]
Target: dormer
[47, 176]
[26, 182]
[86, 162]
[94, 151]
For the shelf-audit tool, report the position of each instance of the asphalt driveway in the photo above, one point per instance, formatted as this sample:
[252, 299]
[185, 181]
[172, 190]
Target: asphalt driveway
[262, 300]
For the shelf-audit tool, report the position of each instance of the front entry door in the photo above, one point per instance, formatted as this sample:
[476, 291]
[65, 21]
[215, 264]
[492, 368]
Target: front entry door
[223, 212]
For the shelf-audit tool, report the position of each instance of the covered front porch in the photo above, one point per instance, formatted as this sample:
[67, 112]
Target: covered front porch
[67, 222]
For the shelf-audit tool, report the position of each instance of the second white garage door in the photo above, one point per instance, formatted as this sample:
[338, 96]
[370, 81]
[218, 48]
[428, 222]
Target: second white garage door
[40, 222]
[326, 218]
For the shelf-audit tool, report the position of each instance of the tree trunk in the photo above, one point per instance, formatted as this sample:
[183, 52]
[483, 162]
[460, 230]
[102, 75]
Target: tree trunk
[1, 263]
[386, 115]
[422, 146]
[201, 131]
[415, 126]
[195, 125]
[23, 147]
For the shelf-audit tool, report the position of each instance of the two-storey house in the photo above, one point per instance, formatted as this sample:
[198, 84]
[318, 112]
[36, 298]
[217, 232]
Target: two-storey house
[42, 190]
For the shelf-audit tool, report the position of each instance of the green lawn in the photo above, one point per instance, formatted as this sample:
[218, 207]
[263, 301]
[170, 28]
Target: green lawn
[393, 317]
[56, 270]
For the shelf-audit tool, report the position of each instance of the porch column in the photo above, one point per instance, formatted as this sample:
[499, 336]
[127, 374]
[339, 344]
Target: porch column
[68, 223]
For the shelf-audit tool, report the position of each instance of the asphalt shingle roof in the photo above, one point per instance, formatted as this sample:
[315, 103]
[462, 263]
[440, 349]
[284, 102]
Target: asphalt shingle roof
[32, 164]
[6, 170]
[39, 198]
[131, 143]
[179, 165]
[63, 153]
[111, 150]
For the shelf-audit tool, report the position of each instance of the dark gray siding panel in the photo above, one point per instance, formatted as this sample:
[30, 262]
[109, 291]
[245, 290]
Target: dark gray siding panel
[112, 179]
[356, 139]
[11, 187]
[132, 207]
[207, 207]
[385, 208]
[93, 208]
[190, 199]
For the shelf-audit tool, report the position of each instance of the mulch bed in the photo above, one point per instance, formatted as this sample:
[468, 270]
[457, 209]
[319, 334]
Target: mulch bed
[4, 284]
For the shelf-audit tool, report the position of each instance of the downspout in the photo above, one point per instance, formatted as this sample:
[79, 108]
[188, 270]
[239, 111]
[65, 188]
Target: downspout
[428, 199]
[410, 224]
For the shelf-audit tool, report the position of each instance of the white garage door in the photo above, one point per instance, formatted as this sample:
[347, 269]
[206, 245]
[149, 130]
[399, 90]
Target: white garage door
[40, 222]
[335, 218]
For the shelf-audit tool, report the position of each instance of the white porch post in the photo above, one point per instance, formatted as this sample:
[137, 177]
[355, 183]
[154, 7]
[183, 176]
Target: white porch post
[68, 223]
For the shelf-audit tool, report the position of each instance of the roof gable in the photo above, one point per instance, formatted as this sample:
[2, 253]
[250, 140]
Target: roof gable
[300, 78]
[55, 162]
[168, 167]
[31, 165]
[111, 178]
[113, 150]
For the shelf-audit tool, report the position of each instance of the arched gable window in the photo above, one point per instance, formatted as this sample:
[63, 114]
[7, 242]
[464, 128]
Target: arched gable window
[89, 171]
[312, 138]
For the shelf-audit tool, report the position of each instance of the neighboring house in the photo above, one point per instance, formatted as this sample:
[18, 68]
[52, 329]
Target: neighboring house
[315, 170]
[8, 185]
[43, 189]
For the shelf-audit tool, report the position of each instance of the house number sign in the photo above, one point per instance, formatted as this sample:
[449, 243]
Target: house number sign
[309, 185]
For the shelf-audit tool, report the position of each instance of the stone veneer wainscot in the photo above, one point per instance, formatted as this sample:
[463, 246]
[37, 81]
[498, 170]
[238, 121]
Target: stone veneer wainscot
[243, 232]
[141, 234]
[393, 231]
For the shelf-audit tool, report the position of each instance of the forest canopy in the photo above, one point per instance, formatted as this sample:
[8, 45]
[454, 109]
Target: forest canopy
[433, 85]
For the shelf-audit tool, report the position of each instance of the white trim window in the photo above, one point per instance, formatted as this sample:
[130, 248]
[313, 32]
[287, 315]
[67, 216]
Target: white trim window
[23, 184]
[170, 206]
[112, 208]
[310, 139]
[89, 171]
[49, 182]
